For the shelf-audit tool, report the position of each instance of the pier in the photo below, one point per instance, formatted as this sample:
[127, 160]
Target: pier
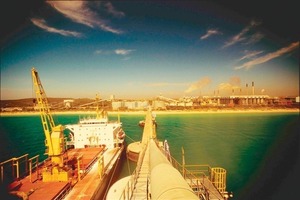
[159, 176]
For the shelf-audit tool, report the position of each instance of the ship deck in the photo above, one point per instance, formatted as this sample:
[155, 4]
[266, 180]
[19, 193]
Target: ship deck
[85, 189]
[34, 188]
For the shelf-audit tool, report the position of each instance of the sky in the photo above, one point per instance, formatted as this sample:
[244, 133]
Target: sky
[142, 49]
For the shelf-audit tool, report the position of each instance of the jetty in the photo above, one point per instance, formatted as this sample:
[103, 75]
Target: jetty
[159, 176]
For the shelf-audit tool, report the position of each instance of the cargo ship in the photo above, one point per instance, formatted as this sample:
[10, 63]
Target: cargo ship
[81, 167]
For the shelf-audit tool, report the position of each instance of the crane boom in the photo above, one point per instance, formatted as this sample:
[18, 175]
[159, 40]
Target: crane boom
[54, 142]
[42, 98]
[43, 105]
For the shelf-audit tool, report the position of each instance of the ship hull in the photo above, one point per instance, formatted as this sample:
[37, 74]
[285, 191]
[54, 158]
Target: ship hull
[110, 177]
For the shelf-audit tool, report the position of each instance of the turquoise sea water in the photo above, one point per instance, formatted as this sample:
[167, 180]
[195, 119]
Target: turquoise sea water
[259, 151]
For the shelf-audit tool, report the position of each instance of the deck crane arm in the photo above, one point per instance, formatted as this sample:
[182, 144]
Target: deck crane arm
[54, 142]
[42, 98]
[43, 105]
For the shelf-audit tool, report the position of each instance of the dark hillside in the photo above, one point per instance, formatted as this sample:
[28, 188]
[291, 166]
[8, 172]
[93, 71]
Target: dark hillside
[28, 102]
[54, 103]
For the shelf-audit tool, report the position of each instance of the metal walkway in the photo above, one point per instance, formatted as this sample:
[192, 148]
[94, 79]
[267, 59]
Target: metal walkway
[142, 182]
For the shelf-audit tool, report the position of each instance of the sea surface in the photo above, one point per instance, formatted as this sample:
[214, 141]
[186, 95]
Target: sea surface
[260, 151]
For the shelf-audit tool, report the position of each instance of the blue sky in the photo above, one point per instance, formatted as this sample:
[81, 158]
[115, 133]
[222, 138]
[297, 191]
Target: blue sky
[141, 49]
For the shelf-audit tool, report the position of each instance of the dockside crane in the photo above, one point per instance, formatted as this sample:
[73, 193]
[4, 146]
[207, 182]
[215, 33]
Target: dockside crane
[54, 142]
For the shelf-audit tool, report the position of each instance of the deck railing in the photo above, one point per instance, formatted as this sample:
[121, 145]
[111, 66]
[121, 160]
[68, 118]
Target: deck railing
[196, 175]
[129, 188]
[13, 169]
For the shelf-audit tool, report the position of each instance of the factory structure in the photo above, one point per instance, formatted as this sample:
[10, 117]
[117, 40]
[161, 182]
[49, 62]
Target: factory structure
[236, 99]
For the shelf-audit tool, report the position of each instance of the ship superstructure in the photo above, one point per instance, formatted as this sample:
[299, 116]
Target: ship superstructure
[97, 131]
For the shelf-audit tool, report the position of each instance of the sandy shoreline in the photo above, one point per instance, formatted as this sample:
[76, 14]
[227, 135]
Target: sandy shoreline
[209, 111]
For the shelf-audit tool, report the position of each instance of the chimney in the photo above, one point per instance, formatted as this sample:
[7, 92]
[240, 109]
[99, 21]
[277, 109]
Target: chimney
[252, 88]
[246, 88]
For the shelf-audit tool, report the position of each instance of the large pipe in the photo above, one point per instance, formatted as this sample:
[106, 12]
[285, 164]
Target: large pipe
[166, 182]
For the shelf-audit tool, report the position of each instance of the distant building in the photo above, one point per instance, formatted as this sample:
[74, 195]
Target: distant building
[68, 103]
[116, 105]
[136, 105]
[158, 105]
[130, 105]
[112, 97]
[36, 107]
[11, 109]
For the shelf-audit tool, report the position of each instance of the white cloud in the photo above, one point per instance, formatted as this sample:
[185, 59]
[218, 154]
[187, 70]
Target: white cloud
[43, 25]
[224, 86]
[250, 54]
[163, 84]
[103, 52]
[79, 12]
[98, 52]
[111, 9]
[242, 35]
[254, 38]
[269, 56]
[198, 84]
[234, 83]
[209, 33]
[228, 87]
[126, 58]
[123, 51]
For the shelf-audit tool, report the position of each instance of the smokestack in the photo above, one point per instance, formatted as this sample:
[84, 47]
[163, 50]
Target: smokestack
[252, 88]
[232, 91]
[246, 88]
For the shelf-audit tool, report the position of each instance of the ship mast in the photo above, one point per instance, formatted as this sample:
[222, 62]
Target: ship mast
[54, 142]
[97, 107]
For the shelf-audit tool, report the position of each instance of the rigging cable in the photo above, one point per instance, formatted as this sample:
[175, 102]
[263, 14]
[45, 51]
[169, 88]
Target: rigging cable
[130, 138]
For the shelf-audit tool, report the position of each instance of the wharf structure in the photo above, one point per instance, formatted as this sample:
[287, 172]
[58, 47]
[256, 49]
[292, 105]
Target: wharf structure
[159, 176]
